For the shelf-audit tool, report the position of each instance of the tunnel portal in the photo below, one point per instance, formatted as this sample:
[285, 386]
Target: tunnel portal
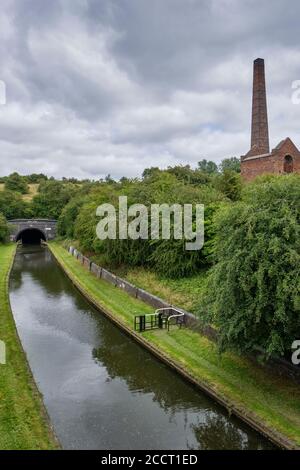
[31, 236]
[32, 230]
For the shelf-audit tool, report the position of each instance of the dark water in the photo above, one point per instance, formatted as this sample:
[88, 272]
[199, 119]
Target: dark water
[101, 389]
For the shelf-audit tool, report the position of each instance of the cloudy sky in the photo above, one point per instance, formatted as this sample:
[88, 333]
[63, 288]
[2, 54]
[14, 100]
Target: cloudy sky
[97, 87]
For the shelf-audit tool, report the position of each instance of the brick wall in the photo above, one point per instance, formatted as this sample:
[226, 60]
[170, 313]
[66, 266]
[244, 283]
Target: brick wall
[274, 163]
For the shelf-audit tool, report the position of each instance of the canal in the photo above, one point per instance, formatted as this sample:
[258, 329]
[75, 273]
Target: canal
[100, 388]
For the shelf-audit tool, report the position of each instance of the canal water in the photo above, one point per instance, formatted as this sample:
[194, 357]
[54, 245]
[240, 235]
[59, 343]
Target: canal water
[101, 389]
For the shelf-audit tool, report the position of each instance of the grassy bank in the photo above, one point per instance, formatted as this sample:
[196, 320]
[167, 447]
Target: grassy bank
[184, 292]
[32, 191]
[262, 396]
[23, 421]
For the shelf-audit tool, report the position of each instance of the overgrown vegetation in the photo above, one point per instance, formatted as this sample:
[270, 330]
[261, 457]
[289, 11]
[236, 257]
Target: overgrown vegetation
[254, 294]
[167, 257]
[251, 248]
[12, 205]
[184, 292]
[15, 182]
[52, 198]
[4, 230]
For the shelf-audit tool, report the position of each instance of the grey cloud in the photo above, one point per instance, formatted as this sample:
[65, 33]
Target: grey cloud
[113, 86]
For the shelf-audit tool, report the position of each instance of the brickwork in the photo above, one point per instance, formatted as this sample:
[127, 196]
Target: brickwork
[285, 158]
[259, 127]
[274, 162]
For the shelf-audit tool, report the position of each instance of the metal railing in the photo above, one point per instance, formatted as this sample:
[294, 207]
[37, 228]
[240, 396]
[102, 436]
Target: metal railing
[179, 320]
[161, 318]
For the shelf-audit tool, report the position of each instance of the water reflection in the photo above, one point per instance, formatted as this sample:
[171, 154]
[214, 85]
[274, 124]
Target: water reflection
[102, 390]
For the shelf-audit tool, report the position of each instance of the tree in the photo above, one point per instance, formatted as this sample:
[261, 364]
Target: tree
[188, 175]
[36, 178]
[229, 183]
[254, 295]
[208, 166]
[52, 197]
[151, 172]
[167, 257]
[16, 182]
[232, 164]
[109, 179]
[4, 229]
[86, 220]
[67, 218]
[12, 205]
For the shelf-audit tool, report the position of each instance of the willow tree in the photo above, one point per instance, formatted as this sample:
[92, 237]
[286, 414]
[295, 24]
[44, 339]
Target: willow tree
[254, 296]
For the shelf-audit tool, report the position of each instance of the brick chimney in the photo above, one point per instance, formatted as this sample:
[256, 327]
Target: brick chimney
[259, 127]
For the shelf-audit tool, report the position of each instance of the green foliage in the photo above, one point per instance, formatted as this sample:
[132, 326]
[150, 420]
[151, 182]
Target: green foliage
[36, 178]
[167, 257]
[170, 258]
[12, 205]
[52, 198]
[16, 182]
[85, 226]
[67, 218]
[151, 172]
[189, 176]
[207, 166]
[229, 183]
[232, 164]
[4, 229]
[86, 221]
[254, 295]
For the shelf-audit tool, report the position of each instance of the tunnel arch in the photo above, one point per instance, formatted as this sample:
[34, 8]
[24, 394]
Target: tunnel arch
[31, 236]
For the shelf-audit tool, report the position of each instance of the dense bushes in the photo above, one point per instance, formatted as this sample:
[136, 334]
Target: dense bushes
[15, 182]
[167, 257]
[52, 198]
[4, 230]
[251, 239]
[12, 205]
[229, 183]
[254, 295]
[65, 223]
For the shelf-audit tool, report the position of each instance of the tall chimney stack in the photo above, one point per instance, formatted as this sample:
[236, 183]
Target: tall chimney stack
[259, 128]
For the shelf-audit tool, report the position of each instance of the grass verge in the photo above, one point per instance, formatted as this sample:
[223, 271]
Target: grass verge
[23, 420]
[270, 403]
[186, 292]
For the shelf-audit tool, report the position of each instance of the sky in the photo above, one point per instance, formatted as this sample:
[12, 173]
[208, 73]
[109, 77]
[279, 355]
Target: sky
[98, 87]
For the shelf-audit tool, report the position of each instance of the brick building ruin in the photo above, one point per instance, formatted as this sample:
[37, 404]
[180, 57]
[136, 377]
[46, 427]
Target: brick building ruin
[285, 158]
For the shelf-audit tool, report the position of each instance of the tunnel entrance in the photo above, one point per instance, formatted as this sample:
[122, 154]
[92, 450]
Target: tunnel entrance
[31, 236]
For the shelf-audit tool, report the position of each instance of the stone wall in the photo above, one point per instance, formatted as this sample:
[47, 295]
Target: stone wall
[47, 227]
